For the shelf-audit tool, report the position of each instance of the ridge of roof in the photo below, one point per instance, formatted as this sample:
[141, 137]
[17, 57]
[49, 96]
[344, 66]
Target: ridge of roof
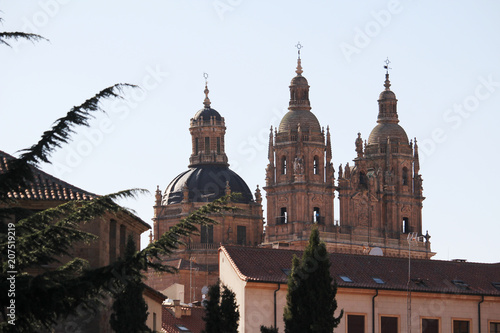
[44, 186]
[240, 274]
[438, 276]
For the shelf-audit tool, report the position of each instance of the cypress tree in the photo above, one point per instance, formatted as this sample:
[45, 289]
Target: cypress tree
[130, 311]
[221, 313]
[311, 294]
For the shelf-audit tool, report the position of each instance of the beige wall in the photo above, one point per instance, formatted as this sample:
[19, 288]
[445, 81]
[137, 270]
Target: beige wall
[154, 307]
[256, 302]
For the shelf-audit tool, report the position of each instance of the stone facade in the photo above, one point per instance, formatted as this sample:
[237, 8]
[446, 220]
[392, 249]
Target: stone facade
[380, 196]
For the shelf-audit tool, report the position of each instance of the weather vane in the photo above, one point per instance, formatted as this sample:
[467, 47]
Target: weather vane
[387, 62]
[205, 75]
[299, 46]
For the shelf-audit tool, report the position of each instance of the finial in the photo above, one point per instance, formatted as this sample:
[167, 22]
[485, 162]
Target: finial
[387, 83]
[299, 66]
[206, 102]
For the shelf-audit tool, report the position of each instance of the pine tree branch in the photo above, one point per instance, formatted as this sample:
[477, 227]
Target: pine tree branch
[19, 35]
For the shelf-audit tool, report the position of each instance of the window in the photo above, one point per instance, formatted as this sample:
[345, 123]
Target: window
[241, 235]
[123, 239]
[283, 216]
[316, 216]
[406, 225]
[430, 325]
[283, 165]
[207, 145]
[218, 145]
[363, 180]
[494, 327]
[154, 321]
[207, 234]
[460, 284]
[405, 176]
[112, 241]
[355, 323]
[345, 278]
[389, 324]
[196, 146]
[496, 285]
[378, 280]
[461, 326]
[316, 165]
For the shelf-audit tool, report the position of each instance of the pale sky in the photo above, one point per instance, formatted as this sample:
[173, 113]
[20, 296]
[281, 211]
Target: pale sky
[445, 73]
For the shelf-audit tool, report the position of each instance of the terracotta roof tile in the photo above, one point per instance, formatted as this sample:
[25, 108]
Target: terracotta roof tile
[44, 186]
[194, 322]
[270, 265]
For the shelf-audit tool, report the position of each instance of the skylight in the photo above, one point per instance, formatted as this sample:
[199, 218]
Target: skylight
[286, 271]
[378, 280]
[182, 328]
[345, 278]
[460, 284]
[496, 285]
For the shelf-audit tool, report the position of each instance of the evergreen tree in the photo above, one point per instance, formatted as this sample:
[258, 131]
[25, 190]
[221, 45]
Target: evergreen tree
[221, 313]
[130, 311]
[311, 294]
[41, 300]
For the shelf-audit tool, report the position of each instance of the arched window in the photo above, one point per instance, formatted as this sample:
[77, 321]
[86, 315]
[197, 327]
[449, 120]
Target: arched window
[316, 165]
[363, 181]
[406, 225]
[196, 146]
[316, 215]
[283, 165]
[218, 145]
[405, 176]
[207, 145]
[283, 218]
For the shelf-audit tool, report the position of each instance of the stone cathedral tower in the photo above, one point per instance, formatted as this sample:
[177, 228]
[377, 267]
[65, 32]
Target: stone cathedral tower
[300, 176]
[381, 195]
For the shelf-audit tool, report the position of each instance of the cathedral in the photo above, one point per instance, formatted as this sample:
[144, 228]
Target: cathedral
[380, 194]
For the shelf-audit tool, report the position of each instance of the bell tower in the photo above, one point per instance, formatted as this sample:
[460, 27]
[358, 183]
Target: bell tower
[381, 195]
[299, 176]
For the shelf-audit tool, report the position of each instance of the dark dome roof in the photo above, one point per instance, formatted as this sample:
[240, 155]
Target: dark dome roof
[306, 119]
[299, 80]
[387, 94]
[206, 114]
[384, 130]
[206, 179]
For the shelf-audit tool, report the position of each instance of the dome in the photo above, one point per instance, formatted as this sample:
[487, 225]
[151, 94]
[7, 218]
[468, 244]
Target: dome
[306, 119]
[206, 180]
[299, 80]
[387, 94]
[384, 130]
[206, 113]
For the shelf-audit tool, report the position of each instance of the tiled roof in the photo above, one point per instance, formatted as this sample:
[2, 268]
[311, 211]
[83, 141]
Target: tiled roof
[194, 322]
[271, 265]
[153, 293]
[183, 264]
[44, 186]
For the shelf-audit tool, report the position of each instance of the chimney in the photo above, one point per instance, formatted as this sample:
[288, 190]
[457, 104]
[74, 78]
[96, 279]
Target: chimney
[177, 308]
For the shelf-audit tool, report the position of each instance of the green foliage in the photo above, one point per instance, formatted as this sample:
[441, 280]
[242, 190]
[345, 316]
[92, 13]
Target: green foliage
[264, 329]
[221, 313]
[130, 311]
[44, 298]
[311, 294]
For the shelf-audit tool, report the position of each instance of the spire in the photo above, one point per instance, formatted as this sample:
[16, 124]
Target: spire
[416, 160]
[328, 146]
[299, 65]
[299, 88]
[270, 153]
[206, 102]
[387, 101]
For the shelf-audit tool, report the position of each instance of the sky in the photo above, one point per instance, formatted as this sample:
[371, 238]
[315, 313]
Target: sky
[445, 73]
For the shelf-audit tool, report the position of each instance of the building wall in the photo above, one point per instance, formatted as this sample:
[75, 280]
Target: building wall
[155, 313]
[256, 302]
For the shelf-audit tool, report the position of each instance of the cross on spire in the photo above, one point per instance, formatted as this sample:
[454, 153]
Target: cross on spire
[387, 62]
[298, 46]
[206, 102]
